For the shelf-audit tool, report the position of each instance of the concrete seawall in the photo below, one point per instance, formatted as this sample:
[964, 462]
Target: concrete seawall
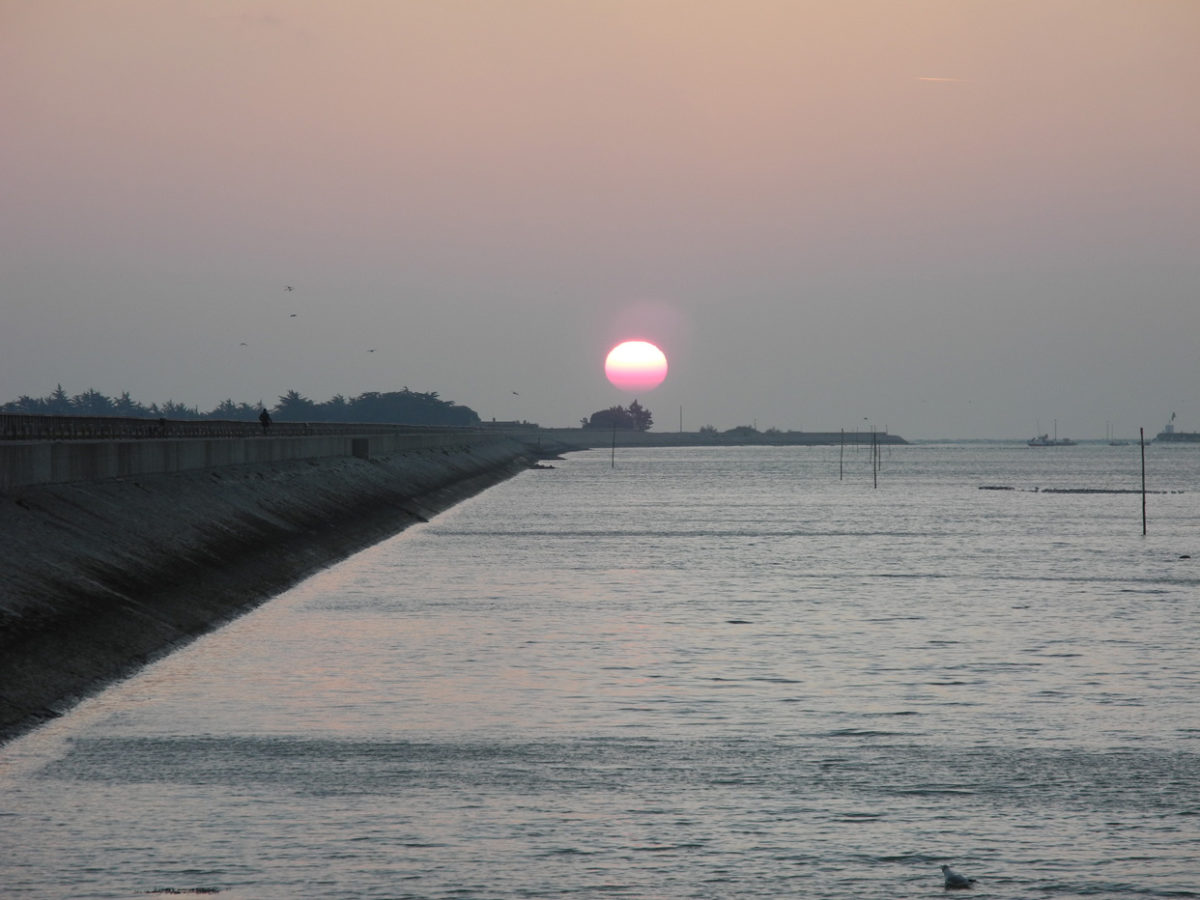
[116, 552]
[24, 463]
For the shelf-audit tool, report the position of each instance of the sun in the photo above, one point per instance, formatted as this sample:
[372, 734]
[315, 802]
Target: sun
[636, 366]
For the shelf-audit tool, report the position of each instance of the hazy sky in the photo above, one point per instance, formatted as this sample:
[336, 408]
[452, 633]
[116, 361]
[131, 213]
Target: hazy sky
[950, 217]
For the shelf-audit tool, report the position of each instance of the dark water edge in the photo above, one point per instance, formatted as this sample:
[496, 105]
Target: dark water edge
[101, 578]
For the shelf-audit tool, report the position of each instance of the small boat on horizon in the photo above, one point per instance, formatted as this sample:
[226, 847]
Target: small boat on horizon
[1170, 435]
[1044, 440]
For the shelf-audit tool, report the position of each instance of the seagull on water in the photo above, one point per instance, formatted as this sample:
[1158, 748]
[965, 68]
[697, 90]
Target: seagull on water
[955, 881]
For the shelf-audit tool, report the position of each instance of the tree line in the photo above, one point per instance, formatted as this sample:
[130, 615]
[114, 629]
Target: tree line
[634, 418]
[403, 407]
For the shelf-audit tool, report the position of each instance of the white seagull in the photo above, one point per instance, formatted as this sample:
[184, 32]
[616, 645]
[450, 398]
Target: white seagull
[955, 881]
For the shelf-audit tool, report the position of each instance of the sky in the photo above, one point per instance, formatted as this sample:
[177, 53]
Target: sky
[947, 218]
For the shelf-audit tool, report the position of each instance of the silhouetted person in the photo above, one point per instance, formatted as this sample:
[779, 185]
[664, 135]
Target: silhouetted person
[265, 418]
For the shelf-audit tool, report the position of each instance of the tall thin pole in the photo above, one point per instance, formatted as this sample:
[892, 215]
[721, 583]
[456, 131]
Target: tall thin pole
[614, 444]
[841, 454]
[874, 457]
[1142, 433]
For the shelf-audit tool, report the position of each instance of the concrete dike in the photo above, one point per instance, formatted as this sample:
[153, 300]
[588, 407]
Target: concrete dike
[116, 552]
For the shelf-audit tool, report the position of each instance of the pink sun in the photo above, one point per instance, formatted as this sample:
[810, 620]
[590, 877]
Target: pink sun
[636, 366]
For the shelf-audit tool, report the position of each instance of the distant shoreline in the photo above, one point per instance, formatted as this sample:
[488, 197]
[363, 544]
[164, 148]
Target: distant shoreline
[589, 438]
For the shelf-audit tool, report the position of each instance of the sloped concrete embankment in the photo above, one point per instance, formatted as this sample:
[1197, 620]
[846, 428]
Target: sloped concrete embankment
[102, 576]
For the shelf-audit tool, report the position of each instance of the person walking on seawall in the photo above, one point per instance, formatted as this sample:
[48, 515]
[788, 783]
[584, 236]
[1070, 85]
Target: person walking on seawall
[265, 418]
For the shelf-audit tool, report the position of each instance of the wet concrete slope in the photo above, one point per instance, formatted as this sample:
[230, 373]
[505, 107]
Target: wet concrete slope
[101, 576]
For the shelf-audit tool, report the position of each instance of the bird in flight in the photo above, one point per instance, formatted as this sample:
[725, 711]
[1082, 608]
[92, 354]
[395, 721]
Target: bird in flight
[289, 288]
[292, 316]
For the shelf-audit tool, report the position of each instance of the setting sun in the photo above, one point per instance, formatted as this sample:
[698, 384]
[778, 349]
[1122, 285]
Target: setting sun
[636, 366]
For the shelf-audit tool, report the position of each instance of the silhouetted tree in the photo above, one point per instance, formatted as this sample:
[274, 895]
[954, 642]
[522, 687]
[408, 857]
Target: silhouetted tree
[409, 408]
[403, 407]
[635, 418]
[25, 404]
[125, 405]
[58, 402]
[91, 403]
[613, 417]
[642, 420]
[742, 431]
[248, 410]
[226, 409]
[173, 410]
[335, 409]
[295, 407]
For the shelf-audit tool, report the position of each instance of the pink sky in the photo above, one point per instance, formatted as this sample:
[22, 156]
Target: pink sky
[954, 217]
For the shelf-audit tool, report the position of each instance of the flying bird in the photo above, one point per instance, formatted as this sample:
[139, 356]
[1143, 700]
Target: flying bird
[372, 350]
[289, 288]
[955, 881]
[292, 316]
[515, 394]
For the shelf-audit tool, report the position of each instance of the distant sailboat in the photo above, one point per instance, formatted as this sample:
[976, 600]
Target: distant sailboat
[1112, 441]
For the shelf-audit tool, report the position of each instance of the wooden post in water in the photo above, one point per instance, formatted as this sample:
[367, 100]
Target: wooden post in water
[1142, 433]
[874, 458]
[841, 454]
[614, 444]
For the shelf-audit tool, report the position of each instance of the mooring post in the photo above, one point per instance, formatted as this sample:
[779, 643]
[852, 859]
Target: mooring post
[1142, 434]
[874, 458]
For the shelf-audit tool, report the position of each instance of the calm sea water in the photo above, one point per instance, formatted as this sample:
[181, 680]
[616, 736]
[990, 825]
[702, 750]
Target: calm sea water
[704, 673]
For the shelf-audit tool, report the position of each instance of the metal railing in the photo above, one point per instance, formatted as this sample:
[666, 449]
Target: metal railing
[20, 427]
